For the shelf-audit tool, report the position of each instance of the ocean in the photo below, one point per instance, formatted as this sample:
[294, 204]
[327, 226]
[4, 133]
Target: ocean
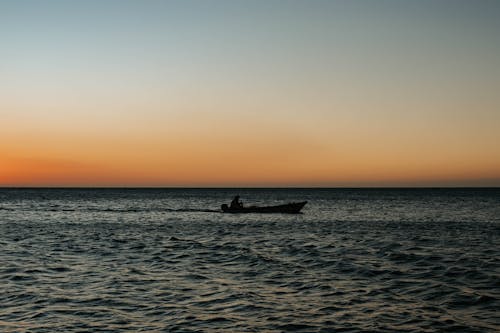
[167, 260]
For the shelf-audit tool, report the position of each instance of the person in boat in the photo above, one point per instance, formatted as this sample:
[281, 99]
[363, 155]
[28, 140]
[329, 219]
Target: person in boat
[236, 203]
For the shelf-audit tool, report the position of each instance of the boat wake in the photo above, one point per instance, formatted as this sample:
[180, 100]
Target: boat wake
[173, 210]
[113, 210]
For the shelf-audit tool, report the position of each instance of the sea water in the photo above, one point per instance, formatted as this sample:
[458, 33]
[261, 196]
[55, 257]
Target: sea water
[167, 260]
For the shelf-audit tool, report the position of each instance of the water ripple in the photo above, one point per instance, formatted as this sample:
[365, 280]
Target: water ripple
[83, 262]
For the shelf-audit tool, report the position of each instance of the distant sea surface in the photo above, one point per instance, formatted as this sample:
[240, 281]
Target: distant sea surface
[167, 260]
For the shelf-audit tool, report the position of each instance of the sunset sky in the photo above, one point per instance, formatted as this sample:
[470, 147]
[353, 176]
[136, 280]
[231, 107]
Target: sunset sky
[250, 93]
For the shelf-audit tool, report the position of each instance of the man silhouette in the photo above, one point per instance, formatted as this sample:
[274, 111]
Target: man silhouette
[236, 203]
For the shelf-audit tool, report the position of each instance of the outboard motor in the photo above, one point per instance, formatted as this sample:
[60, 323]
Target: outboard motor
[224, 207]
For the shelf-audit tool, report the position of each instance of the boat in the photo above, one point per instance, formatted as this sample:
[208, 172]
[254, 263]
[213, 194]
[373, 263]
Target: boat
[289, 208]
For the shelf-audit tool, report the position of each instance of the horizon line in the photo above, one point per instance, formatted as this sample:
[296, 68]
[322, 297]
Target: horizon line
[254, 187]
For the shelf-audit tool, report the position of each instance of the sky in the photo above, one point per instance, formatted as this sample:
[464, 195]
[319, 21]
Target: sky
[250, 93]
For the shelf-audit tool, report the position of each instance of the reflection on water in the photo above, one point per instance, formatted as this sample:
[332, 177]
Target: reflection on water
[166, 261]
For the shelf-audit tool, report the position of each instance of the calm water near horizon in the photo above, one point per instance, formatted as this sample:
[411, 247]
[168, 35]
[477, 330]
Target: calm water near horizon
[166, 260]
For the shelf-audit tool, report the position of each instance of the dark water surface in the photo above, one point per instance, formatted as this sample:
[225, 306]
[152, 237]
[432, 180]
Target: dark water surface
[164, 260]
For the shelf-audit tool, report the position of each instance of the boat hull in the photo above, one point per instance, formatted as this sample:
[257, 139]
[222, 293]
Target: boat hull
[290, 208]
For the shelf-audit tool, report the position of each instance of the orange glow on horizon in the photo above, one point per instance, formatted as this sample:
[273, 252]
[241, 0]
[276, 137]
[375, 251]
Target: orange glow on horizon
[284, 94]
[188, 166]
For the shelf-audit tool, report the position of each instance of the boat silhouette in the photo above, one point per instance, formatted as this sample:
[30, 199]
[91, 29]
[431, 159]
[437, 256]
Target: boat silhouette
[289, 208]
